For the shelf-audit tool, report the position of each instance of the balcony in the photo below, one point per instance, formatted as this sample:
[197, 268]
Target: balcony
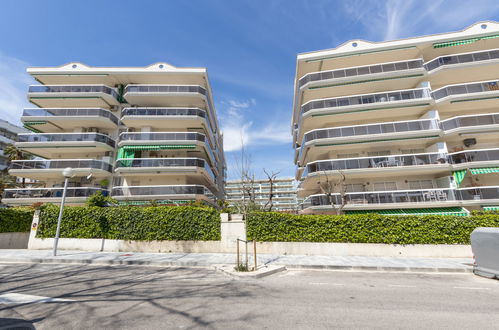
[28, 196]
[457, 97]
[474, 158]
[362, 72]
[406, 198]
[69, 118]
[44, 169]
[46, 145]
[374, 105]
[471, 124]
[61, 96]
[415, 163]
[165, 117]
[470, 66]
[174, 166]
[170, 192]
[382, 132]
[167, 95]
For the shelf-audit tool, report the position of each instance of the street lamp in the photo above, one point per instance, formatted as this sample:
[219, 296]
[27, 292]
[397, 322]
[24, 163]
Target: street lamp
[67, 173]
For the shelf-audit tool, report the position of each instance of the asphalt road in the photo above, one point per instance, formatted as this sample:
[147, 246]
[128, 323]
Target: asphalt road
[131, 297]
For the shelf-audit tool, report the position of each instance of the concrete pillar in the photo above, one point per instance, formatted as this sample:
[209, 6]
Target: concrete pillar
[231, 229]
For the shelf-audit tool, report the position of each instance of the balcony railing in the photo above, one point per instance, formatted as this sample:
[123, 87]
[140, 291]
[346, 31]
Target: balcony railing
[405, 196]
[60, 164]
[163, 112]
[51, 192]
[73, 89]
[376, 162]
[489, 86]
[66, 137]
[165, 162]
[462, 58]
[372, 129]
[133, 191]
[337, 102]
[165, 89]
[360, 71]
[162, 136]
[467, 121]
[468, 156]
[70, 112]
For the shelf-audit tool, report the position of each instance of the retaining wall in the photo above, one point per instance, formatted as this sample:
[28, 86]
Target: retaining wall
[14, 240]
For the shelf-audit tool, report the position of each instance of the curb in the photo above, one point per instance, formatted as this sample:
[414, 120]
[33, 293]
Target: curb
[204, 265]
[261, 272]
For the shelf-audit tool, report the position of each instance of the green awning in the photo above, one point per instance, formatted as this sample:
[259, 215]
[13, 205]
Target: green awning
[31, 123]
[490, 208]
[160, 147]
[484, 170]
[459, 211]
[463, 41]
[459, 176]
[158, 202]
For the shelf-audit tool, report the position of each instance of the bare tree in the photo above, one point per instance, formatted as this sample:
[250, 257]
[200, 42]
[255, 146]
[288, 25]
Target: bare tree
[247, 181]
[330, 187]
[271, 177]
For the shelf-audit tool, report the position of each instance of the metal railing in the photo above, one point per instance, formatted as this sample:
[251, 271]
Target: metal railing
[51, 192]
[163, 112]
[165, 89]
[132, 191]
[70, 112]
[162, 136]
[166, 162]
[376, 162]
[60, 164]
[395, 96]
[467, 156]
[361, 70]
[488, 86]
[73, 89]
[461, 58]
[66, 137]
[466, 121]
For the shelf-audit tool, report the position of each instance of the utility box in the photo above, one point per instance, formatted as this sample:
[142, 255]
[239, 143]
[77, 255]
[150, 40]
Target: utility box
[485, 247]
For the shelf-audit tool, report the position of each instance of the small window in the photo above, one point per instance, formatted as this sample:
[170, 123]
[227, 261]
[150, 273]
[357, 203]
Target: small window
[379, 153]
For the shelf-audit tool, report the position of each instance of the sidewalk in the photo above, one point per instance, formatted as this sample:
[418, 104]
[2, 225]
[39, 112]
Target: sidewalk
[210, 259]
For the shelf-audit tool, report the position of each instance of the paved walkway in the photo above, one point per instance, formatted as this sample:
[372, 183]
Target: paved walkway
[210, 259]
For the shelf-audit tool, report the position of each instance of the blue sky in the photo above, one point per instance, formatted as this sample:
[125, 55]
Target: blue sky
[249, 48]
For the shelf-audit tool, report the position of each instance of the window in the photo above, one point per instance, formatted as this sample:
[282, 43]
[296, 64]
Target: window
[421, 184]
[413, 151]
[385, 186]
[356, 187]
[379, 153]
[341, 156]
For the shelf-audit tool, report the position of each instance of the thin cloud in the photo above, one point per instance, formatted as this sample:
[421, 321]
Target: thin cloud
[13, 86]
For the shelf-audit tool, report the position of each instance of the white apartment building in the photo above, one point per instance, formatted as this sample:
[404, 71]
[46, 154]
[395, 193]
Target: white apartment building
[8, 135]
[283, 193]
[411, 124]
[135, 133]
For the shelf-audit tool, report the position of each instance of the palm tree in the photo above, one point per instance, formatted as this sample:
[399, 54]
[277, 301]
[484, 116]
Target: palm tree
[14, 153]
[6, 181]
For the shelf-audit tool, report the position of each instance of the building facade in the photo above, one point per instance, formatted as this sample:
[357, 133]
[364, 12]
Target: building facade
[283, 193]
[8, 135]
[400, 127]
[135, 133]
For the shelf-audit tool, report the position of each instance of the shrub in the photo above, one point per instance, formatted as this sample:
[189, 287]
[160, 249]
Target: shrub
[15, 219]
[132, 223]
[366, 228]
[99, 200]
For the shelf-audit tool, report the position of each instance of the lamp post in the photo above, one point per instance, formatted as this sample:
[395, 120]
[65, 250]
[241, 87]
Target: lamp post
[67, 173]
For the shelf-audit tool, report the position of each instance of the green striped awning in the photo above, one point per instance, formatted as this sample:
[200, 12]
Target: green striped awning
[459, 211]
[484, 170]
[31, 123]
[490, 208]
[459, 176]
[158, 202]
[160, 147]
[463, 41]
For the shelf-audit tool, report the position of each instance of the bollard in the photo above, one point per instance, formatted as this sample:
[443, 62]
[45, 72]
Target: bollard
[254, 253]
[237, 251]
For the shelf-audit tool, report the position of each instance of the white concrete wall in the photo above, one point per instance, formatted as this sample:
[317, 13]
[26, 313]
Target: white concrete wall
[14, 240]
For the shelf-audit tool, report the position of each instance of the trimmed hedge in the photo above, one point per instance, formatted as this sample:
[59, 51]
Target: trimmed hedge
[366, 228]
[132, 223]
[15, 219]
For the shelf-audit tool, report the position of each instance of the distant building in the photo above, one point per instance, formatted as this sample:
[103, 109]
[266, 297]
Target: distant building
[283, 191]
[8, 135]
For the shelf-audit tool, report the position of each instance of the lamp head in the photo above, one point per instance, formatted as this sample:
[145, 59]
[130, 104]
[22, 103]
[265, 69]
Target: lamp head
[68, 172]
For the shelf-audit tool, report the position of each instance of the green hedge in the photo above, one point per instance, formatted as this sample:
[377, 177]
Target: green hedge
[15, 219]
[132, 223]
[366, 228]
